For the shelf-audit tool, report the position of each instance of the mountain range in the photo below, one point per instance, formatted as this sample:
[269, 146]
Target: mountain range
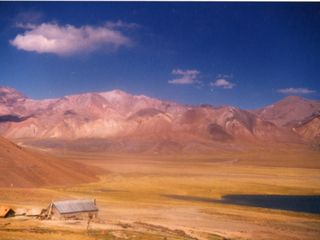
[117, 121]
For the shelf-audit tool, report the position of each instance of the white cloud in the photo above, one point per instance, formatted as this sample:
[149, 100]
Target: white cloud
[225, 76]
[188, 77]
[25, 26]
[67, 40]
[121, 24]
[222, 83]
[296, 90]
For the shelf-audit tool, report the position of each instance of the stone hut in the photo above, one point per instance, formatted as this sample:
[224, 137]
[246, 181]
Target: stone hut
[73, 209]
[6, 212]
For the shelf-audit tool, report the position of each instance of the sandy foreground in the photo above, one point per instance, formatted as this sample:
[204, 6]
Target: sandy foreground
[132, 206]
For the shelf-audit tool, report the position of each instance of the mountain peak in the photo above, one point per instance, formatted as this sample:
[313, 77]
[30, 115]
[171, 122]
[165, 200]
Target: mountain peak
[288, 109]
[293, 98]
[10, 95]
[5, 89]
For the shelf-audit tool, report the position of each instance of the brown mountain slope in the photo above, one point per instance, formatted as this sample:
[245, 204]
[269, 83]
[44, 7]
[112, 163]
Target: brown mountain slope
[289, 109]
[9, 102]
[298, 114]
[125, 121]
[24, 168]
[309, 127]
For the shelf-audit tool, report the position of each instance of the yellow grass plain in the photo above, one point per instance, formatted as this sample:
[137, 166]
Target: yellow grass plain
[132, 206]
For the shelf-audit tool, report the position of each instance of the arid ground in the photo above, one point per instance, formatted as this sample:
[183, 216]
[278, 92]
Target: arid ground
[132, 206]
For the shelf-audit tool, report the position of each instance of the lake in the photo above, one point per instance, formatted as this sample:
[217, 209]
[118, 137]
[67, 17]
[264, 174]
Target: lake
[307, 204]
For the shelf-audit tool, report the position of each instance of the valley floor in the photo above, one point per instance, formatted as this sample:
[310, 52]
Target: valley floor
[130, 196]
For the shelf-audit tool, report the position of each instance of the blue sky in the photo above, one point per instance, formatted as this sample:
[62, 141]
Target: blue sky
[247, 55]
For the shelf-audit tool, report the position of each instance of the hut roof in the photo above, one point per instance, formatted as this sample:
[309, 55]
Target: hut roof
[20, 211]
[78, 205]
[34, 212]
[4, 211]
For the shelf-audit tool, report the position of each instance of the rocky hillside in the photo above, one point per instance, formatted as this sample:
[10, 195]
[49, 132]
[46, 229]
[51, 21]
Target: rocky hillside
[309, 127]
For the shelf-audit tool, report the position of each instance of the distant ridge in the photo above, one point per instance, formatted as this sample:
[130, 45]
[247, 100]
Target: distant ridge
[117, 121]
